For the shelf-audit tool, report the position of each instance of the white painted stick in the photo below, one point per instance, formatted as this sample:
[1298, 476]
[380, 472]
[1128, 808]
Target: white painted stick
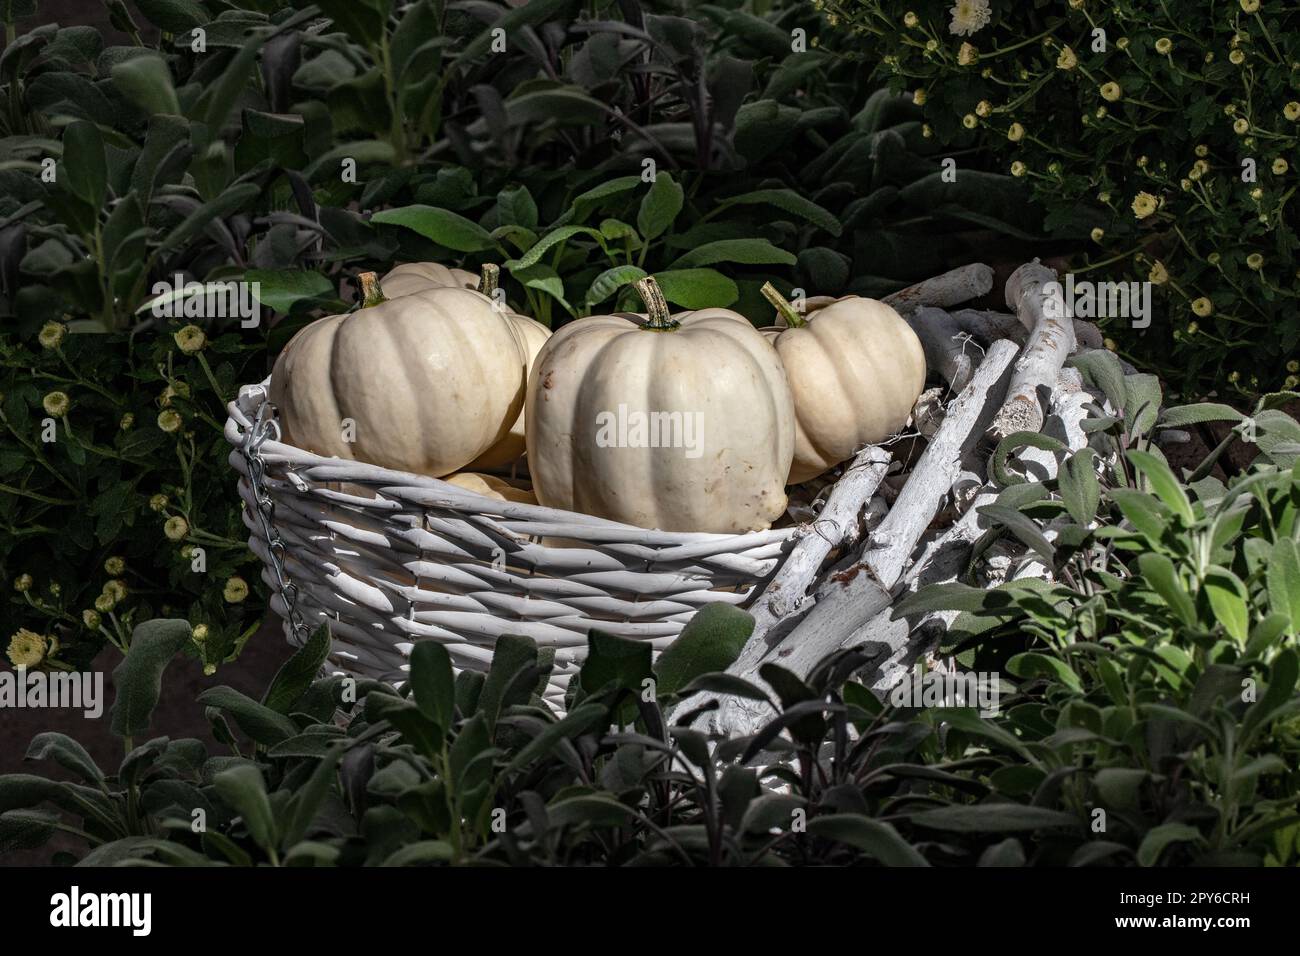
[947, 351]
[952, 288]
[1037, 298]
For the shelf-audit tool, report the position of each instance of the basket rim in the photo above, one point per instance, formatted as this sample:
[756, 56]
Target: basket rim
[243, 410]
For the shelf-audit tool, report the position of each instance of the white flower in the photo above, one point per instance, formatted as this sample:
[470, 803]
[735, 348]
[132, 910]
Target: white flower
[968, 16]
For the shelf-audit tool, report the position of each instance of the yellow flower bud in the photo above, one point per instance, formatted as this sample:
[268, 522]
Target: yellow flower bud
[1280, 166]
[1158, 274]
[56, 403]
[157, 502]
[1066, 60]
[190, 339]
[169, 420]
[1111, 91]
[176, 528]
[1018, 168]
[236, 590]
[52, 334]
[1203, 307]
[1255, 261]
[1236, 58]
[983, 108]
[1291, 111]
[1016, 133]
[1250, 6]
[91, 619]
[918, 97]
[200, 633]
[969, 121]
[1164, 45]
[910, 20]
[1097, 234]
[967, 55]
[117, 588]
[105, 603]
[1240, 126]
[23, 583]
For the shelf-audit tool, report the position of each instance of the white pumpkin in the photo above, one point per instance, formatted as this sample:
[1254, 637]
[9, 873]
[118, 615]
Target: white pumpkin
[411, 277]
[419, 276]
[490, 486]
[429, 381]
[855, 369]
[682, 423]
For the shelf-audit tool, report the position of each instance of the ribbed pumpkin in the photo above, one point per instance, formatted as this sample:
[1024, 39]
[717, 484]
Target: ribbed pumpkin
[420, 276]
[432, 380]
[855, 370]
[725, 431]
[490, 486]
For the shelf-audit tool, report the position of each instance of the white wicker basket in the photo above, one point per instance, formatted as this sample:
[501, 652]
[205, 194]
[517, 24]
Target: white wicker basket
[425, 560]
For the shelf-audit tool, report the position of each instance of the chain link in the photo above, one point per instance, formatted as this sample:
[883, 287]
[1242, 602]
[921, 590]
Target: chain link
[262, 429]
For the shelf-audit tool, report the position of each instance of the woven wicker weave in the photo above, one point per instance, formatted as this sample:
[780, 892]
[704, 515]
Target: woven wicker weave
[425, 560]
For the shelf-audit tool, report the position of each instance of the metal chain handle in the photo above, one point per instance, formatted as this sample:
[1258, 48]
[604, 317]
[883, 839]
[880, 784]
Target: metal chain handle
[264, 428]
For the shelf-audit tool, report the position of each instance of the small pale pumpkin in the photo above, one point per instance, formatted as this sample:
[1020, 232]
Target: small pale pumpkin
[420, 276]
[682, 423]
[855, 369]
[490, 486]
[429, 381]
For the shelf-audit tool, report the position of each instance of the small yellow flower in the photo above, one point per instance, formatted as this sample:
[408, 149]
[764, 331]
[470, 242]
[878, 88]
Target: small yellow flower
[1209, 57]
[1193, 328]
[1291, 381]
[910, 20]
[127, 421]
[52, 334]
[1213, 258]
[176, 528]
[1076, 4]
[1111, 91]
[236, 590]
[1097, 233]
[1250, 6]
[1142, 162]
[1016, 133]
[1018, 168]
[1293, 366]
[1240, 126]
[1203, 307]
[1185, 184]
[926, 131]
[983, 108]
[931, 46]
[1236, 58]
[1255, 261]
[114, 566]
[117, 588]
[1103, 197]
[200, 633]
[918, 97]
[1122, 43]
[209, 670]
[1164, 45]
[27, 648]
[157, 502]
[1280, 166]
[91, 619]
[967, 55]
[56, 403]
[56, 588]
[174, 390]
[23, 583]
[1144, 204]
[1158, 274]
[1257, 194]
[1202, 150]
[190, 339]
[105, 603]
[1291, 111]
[1102, 112]
[169, 420]
[1110, 345]
[969, 121]
[1066, 60]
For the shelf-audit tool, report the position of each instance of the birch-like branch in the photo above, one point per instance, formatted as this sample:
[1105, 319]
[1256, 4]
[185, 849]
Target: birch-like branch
[855, 594]
[1038, 299]
[947, 351]
[952, 288]
[991, 326]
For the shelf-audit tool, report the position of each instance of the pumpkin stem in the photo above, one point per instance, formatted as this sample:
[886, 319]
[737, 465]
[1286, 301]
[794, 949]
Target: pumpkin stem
[655, 304]
[788, 312]
[488, 279]
[371, 293]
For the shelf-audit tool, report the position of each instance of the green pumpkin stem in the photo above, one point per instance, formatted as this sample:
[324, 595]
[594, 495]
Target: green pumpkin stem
[655, 304]
[788, 312]
[489, 278]
[371, 293]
